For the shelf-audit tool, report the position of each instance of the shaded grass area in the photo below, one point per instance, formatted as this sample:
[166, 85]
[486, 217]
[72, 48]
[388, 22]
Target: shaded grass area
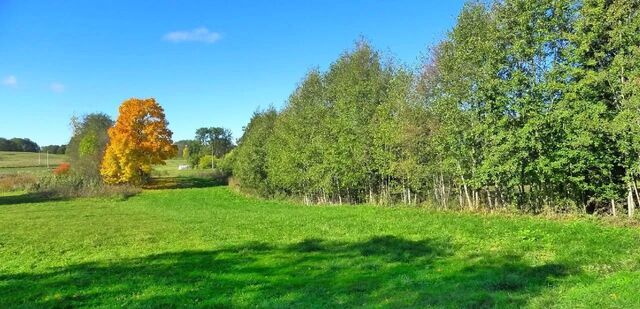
[208, 247]
[16, 198]
[181, 182]
[382, 270]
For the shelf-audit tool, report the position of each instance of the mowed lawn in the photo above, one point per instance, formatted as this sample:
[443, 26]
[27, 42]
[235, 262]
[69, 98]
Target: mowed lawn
[211, 247]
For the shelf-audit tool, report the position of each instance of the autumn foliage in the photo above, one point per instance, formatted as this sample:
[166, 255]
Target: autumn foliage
[62, 169]
[139, 139]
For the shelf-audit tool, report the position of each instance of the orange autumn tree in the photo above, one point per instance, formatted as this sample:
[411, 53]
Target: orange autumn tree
[139, 139]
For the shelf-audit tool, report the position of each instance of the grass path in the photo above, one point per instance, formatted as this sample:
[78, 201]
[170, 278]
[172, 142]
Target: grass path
[210, 247]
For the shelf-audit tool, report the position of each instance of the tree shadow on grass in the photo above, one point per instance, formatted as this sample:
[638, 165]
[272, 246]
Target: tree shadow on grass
[28, 198]
[383, 271]
[182, 182]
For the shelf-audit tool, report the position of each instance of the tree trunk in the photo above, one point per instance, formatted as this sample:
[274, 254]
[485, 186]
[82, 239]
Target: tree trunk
[436, 193]
[630, 203]
[613, 208]
[476, 199]
[497, 189]
[466, 192]
[442, 191]
[635, 190]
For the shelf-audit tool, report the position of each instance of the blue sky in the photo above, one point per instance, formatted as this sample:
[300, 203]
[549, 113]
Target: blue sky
[209, 63]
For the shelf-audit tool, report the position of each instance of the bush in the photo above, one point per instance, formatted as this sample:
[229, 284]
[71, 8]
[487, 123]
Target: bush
[207, 162]
[16, 182]
[73, 185]
[88, 143]
[225, 165]
[62, 169]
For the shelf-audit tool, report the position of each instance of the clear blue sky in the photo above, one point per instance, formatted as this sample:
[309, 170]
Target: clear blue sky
[207, 63]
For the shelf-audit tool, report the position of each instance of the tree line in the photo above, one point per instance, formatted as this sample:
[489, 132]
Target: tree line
[532, 105]
[208, 148]
[27, 145]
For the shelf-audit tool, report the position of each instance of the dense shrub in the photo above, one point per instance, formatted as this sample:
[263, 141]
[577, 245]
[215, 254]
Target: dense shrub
[87, 145]
[62, 169]
[16, 182]
[74, 185]
[225, 164]
[207, 162]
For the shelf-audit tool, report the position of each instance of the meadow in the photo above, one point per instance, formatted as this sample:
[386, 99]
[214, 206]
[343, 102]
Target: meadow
[28, 162]
[212, 247]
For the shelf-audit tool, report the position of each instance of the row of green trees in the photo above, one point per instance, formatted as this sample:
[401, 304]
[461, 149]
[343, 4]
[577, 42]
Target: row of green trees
[27, 145]
[533, 104]
[18, 144]
[208, 148]
[56, 149]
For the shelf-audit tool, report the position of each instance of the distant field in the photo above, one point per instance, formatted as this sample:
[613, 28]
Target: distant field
[169, 176]
[171, 168]
[34, 163]
[28, 162]
[210, 248]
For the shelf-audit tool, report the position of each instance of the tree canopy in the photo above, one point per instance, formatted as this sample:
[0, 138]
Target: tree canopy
[18, 144]
[527, 104]
[139, 139]
[88, 143]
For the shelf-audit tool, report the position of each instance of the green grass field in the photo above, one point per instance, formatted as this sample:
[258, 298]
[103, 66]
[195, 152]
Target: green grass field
[211, 247]
[28, 162]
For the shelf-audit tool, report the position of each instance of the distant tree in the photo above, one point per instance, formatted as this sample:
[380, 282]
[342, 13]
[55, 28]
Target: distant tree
[18, 144]
[50, 148]
[139, 139]
[6, 145]
[208, 162]
[88, 143]
[196, 150]
[225, 165]
[180, 145]
[54, 149]
[218, 140]
[185, 152]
